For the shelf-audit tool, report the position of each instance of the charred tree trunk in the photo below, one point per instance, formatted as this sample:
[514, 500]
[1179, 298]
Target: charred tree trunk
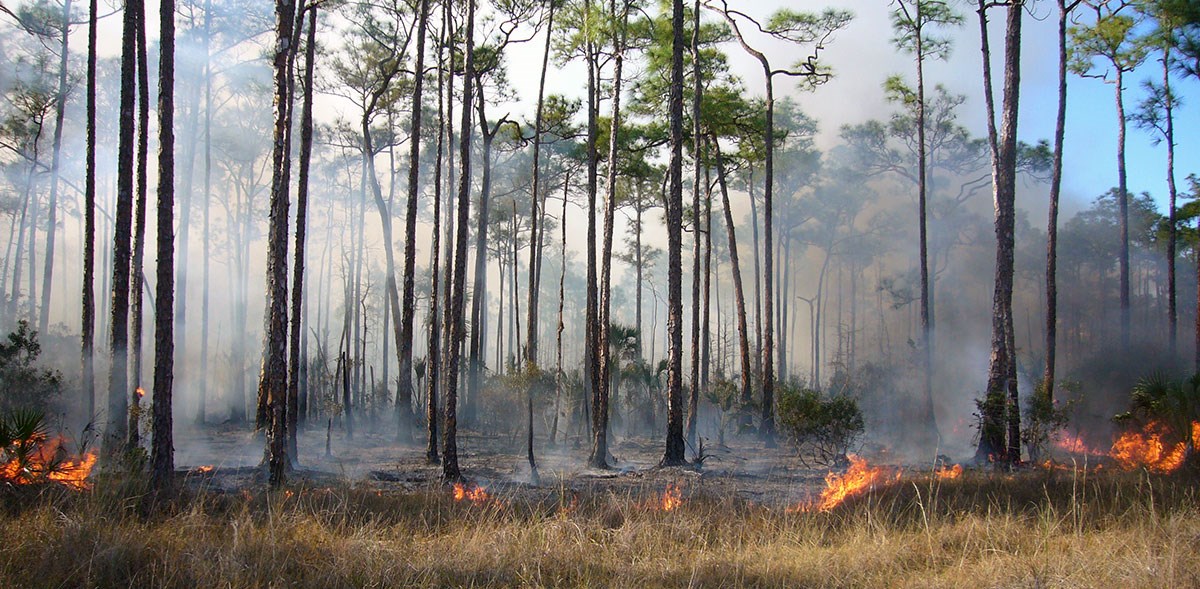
[531, 339]
[738, 291]
[674, 453]
[450, 470]
[118, 380]
[162, 453]
[60, 104]
[202, 391]
[137, 272]
[694, 393]
[295, 367]
[273, 381]
[1064, 10]
[88, 314]
[1000, 430]
[404, 388]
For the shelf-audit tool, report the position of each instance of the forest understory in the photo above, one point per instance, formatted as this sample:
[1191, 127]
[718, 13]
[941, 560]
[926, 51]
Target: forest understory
[374, 515]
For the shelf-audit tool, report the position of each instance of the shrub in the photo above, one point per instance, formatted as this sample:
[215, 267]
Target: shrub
[824, 427]
[1157, 398]
[24, 384]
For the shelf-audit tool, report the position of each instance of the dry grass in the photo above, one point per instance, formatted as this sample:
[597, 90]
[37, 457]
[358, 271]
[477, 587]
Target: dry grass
[984, 530]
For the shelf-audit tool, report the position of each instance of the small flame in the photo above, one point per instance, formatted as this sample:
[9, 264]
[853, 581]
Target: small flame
[672, 497]
[1195, 436]
[207, 468]
[47, 463]
[140, 392]
[947, 473]
[1147, 448]
[858, 479]
[1075, 445]
[475, 494]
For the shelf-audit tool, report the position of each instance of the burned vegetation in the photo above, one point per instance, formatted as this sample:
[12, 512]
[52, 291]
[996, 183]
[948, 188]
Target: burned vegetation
[598, 293]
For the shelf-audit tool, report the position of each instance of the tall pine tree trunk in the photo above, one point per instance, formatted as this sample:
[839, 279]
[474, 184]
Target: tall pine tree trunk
[162, 453]
[137, 273]
[295, 367]
[674, 453]
[60, 104]
[88, 313]
[404, 343]
[738, 291]
[273, 385]
[531, 339]
[118, 379]
[450, 469]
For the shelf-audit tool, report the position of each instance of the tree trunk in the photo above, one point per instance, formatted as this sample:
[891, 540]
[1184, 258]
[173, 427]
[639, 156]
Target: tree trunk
[274, 375]
[450, 470]
[674, 453]
[1123, 208]
[162, 454]
[1055, 191]
[137, 273]
[475, 348]
[531, 339]
[735, 269]
[694, 393]
[202, 391]
[1172, 237]
[404, 388]
[592, 350]
[88, 313]
[1000, 430]
[295, 367]
[927, 318]
[558, 371]
[118, 380]
[60, 103]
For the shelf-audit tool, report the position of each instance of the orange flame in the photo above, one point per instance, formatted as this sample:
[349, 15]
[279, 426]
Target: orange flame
[858, 479]
[207, 468]
[1075, 445]
[1146, 448]
[672, 497]
[140, 392]
[47, 463]
[476, 494]
[1195, 436]
[947, 473]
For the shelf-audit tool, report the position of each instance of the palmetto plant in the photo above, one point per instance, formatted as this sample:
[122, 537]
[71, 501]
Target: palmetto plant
[1174, 403]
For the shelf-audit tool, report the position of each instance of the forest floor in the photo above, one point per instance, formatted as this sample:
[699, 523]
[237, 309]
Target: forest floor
[744, 469]
[374, 515]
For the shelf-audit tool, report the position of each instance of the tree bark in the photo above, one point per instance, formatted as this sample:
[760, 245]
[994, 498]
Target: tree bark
[88, 313]
[162, 454]
[274, 374]
[450, 470]
[137, 273]
[694, 392]
[60, 103]
[118, 380]
[1000, 433]
[535, 266]
[296, 326]
[674, 453]
[738, 291]
[404, 390]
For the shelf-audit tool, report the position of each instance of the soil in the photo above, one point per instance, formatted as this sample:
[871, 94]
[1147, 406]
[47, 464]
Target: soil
[744, 469]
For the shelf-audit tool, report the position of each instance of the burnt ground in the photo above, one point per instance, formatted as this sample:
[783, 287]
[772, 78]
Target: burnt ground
[743, 470]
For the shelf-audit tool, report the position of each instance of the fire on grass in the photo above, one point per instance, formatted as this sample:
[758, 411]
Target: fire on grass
[44, 459]
[1155, 447]
[474, 494]
[857, 480]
